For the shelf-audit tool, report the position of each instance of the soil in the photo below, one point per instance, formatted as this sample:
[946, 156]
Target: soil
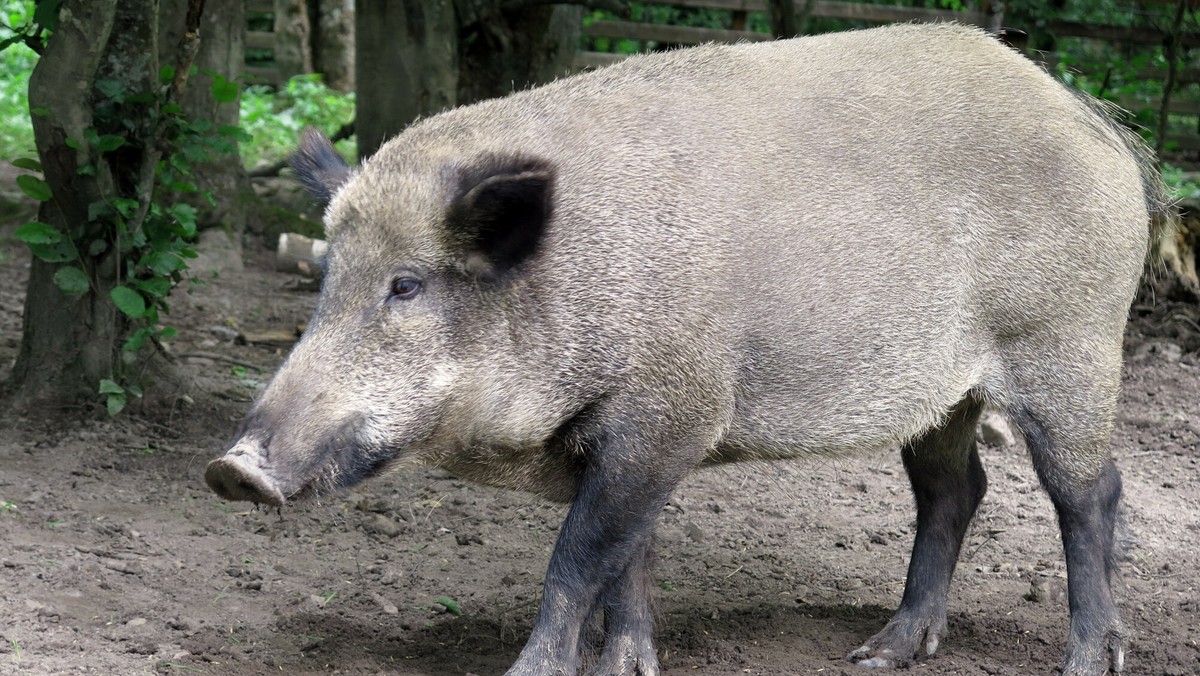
[116, 559]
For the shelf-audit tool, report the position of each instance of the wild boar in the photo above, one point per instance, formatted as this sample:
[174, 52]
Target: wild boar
[805, 248]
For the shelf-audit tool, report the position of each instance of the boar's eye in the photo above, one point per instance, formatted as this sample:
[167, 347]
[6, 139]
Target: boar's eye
[405, 288]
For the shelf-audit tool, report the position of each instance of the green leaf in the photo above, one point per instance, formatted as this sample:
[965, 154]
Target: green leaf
[166, 74]
[128, 301]
[57, 252]
[97, 247]
[168, 332]
[34, 187]
[88, 169]
[45, 14]
[223, 90]
[162, 263]
[35, 232]
[126, 206]
[115, 404]
[110, 387]
[72, 143]
[134, 390]
[234, 132]
[449, 604]
[40, 111]
[137, 339]
[98, 209]
[27, 163]
[71, 281]
[157, 287]
[185, 215]
[109, 143]
[112, 89]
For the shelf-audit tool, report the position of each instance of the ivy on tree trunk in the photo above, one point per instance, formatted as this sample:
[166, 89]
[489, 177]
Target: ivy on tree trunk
[94, 98]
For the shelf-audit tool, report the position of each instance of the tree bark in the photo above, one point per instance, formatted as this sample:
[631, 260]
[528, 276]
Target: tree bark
[222, 51]
[509, 50]
[98, 77]
[67, 344]
[783, 18]
[406, 62]
[417, 58]
[333, 43]
[293, 39]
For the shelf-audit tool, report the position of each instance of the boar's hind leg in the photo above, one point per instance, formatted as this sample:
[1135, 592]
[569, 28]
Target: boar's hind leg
[1069, 449]
[601, 554]
[948, 482]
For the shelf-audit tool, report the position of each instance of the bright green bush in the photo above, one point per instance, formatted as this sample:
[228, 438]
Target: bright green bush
[16, 63]
[274, 119]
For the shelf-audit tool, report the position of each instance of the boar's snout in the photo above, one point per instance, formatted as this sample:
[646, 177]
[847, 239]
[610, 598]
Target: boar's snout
[233, 477]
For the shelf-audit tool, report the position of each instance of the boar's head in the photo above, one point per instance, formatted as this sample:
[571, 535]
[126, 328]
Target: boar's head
[424, 254]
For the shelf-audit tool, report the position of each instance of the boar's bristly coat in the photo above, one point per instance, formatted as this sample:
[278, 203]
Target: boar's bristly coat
[808, 247]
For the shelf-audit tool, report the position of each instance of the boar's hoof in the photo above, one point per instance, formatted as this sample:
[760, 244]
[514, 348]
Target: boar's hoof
[234, 479]
[899, 641]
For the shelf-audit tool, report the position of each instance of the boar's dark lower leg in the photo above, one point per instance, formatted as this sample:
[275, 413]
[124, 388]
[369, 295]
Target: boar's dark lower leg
[1087, 513]
[629, 622]
[601, 557]
[948, 482]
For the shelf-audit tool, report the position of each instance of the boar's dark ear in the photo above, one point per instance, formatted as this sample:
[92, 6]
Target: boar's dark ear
[319, 166]
[500, 211]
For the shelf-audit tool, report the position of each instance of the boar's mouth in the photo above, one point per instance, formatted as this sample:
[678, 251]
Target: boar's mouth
[262, 473]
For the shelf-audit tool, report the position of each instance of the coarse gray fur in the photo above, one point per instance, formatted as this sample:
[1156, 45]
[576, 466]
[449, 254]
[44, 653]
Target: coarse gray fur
[810, 247]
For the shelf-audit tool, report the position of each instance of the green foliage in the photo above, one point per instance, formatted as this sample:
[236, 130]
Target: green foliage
[152, 236]
[1183, 185]
[16, 63]
[273, 119]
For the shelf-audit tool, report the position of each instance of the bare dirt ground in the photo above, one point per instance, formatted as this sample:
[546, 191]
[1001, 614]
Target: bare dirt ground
[116, 559]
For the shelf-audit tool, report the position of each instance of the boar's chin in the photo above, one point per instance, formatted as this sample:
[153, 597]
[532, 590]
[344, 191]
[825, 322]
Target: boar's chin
[346, 468]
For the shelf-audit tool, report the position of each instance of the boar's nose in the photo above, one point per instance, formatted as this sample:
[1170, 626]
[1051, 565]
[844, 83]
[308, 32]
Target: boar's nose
[233, 478]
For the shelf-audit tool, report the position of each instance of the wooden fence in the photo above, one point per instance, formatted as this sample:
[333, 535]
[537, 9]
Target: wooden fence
[653, 35]
[261, 65]
[271, 52]
[1184, 106]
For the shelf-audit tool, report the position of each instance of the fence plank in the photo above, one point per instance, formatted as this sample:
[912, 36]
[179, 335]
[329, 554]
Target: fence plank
[597, 59]
[260, 40]
[262, 75]
[840, 9]
[662, 33]
[858, 11]
[1124, 34]
[1178, 107]
[1184, 76]
[1184, 142]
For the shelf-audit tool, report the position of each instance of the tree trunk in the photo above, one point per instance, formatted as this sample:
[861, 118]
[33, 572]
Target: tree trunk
[222, 52]
[67, 344]
[333, 43]
[406, 63]
[514, 50]
[417, 58]
[783, 18]
[293, 39]
[97, 79]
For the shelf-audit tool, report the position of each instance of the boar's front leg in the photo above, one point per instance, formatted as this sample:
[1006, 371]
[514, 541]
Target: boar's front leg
[601, 556]
[629, 622]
